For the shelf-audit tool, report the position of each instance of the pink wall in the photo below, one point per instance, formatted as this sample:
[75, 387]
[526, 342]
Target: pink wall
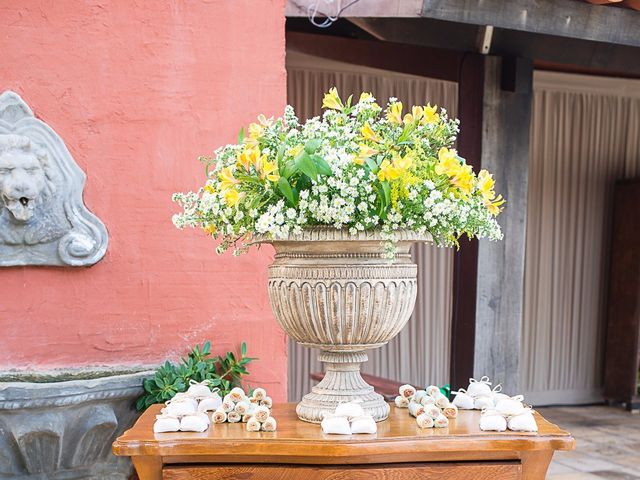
[138, 90]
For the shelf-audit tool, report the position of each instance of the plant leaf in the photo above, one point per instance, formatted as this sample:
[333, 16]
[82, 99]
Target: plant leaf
[285, 189]
[312, 145]
[241, 135]
[321, 165]
[307, 166]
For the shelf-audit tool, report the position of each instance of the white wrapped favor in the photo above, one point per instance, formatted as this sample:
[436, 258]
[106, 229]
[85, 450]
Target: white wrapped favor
[336, 425]
[363, 424]
[349, 409]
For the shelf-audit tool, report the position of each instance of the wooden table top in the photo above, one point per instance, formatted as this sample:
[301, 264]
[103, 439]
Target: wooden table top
[398, 439]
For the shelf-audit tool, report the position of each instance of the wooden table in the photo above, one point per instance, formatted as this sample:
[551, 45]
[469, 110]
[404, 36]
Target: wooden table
[299, 450]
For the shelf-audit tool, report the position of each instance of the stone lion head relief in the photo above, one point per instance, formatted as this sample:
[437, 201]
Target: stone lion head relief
[43, 220]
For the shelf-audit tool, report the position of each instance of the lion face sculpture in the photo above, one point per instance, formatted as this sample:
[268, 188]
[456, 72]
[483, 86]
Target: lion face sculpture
[24, 180]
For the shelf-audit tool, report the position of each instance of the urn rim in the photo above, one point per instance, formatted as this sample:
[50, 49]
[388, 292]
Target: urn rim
[326, 233]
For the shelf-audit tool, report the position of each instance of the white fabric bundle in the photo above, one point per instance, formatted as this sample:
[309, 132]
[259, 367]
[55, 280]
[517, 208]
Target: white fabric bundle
[165, 423]
[179, 408]
[416, 409]
[428, 400]
[259, 393]
[237, 394]
[349, 409]
[442, 401]
[337, 425]
[219, 416]
[261, 413]
[510, 406]
[463, 400]
[523, 422]
[227, 405]
[266, 402]
[425, 421]
[407, 391]
[441, 421]
[269, 425]
[482, 402]
[450, 412]
[197, 422]
[432, 410]
[479, 387]
[242, 407]
[199, 389]
[491, 420]
[210, 404]
[433, 390]
[253, 425]
[401, 402]
[363, 424]
[233, 417]
[420, 394]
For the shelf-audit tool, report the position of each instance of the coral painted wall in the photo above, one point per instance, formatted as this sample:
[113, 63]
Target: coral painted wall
[137, 90]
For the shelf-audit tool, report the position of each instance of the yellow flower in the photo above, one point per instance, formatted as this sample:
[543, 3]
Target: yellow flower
[368, 133]
[364, 96]
[232, 197]
[448, 163]
[388, 171]
[226, 179]
[209, 189]
[494, 206]
[268, 170]
[414, 116]
[463, 179]
[364, 153]
[394, 113]
[430, 114]
[332, 100]
[209, 229]
[247, 158]
[485, 185]
[295, 151]
[396, 169]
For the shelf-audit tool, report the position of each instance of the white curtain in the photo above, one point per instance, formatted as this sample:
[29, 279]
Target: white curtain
[585, 134]
[420, 354]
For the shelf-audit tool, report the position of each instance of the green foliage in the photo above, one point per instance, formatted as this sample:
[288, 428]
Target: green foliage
[224, 373]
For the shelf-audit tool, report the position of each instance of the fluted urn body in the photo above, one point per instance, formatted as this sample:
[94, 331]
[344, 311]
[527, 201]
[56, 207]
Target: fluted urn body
[337, 292]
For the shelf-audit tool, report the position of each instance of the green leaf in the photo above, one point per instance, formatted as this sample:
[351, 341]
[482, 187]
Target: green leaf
[241, 135]
[321, 165]
[307, 166]
[285, 189]
[386, 188]
[312, 145]
[243, 349]
[373, 166]
[288, 169]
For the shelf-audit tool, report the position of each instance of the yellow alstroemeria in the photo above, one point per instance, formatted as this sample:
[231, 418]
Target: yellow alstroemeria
[463, 179]
[430, 114]
[232, 197]
[415, 115]
[268, 170]
[388, 171]
[494, 206]
[364, 96]
[365, 152]
[369, 134]
[249, 157]
[485, 185]
[403, 163]
[209, 229]
[448, 163]
[394, 113]
[295, 151]
[209, 189]
[226, 179]
[332, 100]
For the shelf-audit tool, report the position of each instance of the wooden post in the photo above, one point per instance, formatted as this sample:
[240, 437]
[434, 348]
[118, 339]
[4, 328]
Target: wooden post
[500, 287]
[465, 262]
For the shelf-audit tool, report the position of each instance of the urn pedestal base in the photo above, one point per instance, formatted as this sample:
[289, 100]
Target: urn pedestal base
[342, 382]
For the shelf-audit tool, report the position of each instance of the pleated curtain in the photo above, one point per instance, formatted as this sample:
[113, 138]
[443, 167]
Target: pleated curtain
[420, 353]
[585, 134]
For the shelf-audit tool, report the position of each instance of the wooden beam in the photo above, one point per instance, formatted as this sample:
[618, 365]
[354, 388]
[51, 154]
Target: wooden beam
[465, 261]
[552, 17]
[410, 59]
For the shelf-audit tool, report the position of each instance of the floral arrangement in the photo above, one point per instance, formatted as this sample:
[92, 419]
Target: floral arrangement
[358, 167]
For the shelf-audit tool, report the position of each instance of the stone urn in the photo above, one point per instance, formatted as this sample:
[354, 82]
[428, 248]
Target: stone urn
[337, 292]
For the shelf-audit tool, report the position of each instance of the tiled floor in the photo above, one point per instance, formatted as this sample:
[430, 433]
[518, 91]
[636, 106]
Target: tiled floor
[607, 443]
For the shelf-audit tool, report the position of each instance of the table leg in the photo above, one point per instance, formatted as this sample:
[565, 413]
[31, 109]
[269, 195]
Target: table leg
[535, 464]
[148, 467]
